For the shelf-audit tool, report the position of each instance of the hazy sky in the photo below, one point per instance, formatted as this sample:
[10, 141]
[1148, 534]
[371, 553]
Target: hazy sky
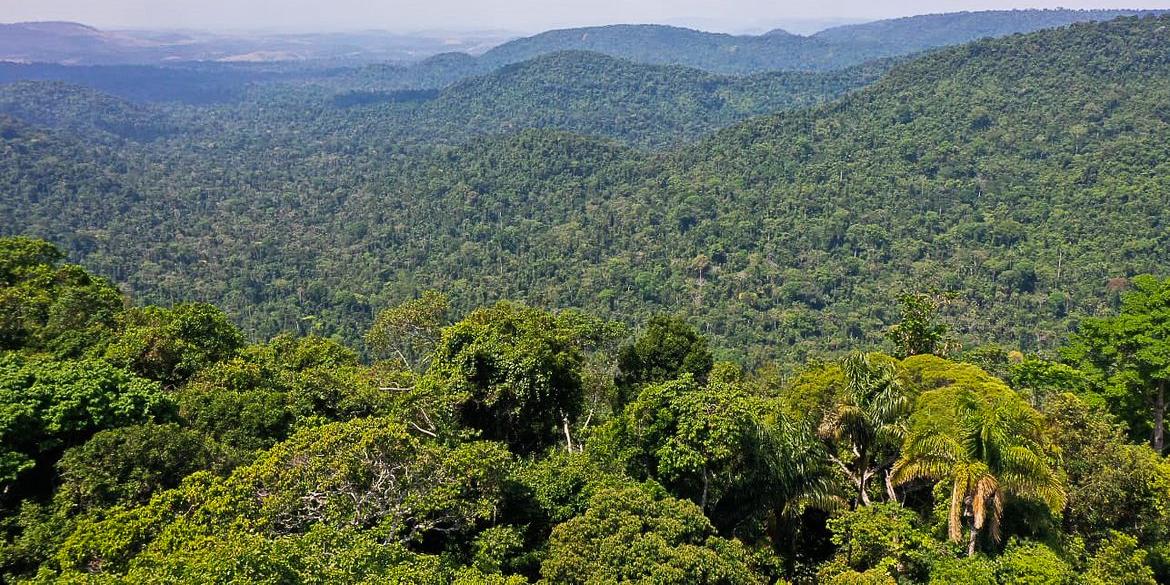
[520, 15]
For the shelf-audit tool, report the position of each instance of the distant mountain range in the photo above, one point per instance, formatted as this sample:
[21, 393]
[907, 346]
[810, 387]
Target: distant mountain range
[834, 48]
[780, 50]
[77, 44]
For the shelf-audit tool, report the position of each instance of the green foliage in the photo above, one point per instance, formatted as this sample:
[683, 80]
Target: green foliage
[127, 465]
[701, 442]
[373, 473]
[813, 391]
[495, 549]
[258, 398]
[635, 534]
[868, 424]
[881, 540]
[975, 570]
[21, 256]
[292, 462]
[667, 349]
[562, 483]
[919, 332]
[974, 435]
[171, 345]
[1120, 561]
[408, 331]
[235, 402]
[47, 406]
[1032, 563]
[1129, 357]
[49, 307]
[1112, 485]
[511, 372]
[1042, 380]
[324, 555]
[870, 577]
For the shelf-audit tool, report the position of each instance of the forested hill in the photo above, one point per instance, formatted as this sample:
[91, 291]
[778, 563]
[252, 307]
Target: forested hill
[831, 49]
[648, 105]
[1022, 173]
[669, 45]
[927, 31]
[208, 82]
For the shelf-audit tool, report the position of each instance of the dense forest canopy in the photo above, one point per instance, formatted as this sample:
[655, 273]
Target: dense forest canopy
[511, 444]
[1025, 175]
[586, 319]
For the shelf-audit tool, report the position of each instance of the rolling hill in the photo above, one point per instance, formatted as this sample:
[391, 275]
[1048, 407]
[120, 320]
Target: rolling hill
[780, 51]
[1005, 170]
[650, 106]
[638, 104]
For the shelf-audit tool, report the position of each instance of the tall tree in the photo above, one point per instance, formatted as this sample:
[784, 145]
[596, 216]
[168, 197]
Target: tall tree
[53, 307]
[1128, 355]
[667, 349]
[700, 441]
[920, 332]
[639, 534]
[868, 424]
[409, 331]
[171, 345]
[976, 435]
[512, 373]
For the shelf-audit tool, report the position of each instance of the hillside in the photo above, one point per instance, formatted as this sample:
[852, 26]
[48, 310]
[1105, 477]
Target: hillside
[82, 110]
[721, 53]
[648, 106]
[831, 49]
[208, 68]
[985, 169]
[1004, 170]
[917, 33]
[642, 105]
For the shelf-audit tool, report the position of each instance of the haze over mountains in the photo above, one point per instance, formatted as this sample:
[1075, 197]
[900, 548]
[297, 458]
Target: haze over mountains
[842, 46]
[78, 44]
[833, 48]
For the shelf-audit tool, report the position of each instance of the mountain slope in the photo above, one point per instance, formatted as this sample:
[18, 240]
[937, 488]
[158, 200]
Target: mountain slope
[644, 105]
[916, 33]
[832, 49]
[659, 44]
[85, 111]
[1025, 174]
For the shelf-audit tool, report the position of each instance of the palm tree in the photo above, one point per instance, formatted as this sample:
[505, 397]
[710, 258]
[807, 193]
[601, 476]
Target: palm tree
[869, 423]
[988, 448]
[798, 478]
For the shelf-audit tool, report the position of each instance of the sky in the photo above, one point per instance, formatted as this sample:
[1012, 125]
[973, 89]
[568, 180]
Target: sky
[513, 15]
